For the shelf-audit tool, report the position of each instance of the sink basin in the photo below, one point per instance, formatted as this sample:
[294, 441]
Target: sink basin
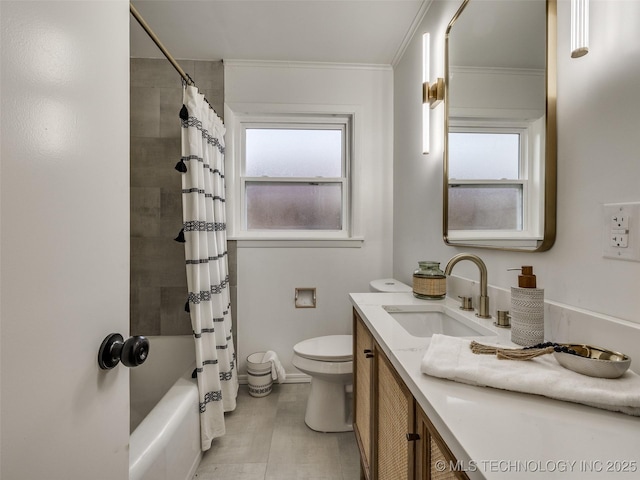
[426, 323]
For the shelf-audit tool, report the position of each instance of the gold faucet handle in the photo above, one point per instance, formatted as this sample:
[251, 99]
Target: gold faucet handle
[504, 319]
[467, 303]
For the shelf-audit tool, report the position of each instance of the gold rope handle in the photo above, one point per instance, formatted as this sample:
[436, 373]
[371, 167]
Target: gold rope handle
[509, 353]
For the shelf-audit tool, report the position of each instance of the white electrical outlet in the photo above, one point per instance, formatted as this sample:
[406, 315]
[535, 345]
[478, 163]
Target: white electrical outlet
[621, 231]
[620, 240]
[620, 220]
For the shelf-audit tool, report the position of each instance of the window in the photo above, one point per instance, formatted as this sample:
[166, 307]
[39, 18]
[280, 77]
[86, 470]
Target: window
[494, 182]
[293, 177]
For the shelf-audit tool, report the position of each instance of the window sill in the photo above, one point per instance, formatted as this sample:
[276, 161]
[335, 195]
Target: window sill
[244, 242]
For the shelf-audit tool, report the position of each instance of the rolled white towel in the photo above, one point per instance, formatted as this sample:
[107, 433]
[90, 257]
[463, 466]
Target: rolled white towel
[451, 358]
[277, 370]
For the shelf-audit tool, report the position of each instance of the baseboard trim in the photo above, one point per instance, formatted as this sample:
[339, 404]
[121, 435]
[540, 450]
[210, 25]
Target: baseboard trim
[291, 378]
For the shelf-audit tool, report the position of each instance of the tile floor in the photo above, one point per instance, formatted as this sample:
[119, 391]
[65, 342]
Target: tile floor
[267, 439]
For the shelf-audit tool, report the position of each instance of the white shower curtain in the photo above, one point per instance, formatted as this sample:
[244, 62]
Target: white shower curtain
[205, 236]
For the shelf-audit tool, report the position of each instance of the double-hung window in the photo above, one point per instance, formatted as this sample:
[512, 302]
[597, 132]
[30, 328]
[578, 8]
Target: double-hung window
[294, 177]
[494, 183]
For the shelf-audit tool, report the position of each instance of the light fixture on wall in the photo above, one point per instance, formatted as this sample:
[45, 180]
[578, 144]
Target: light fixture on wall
[432, 95]
[579, 28]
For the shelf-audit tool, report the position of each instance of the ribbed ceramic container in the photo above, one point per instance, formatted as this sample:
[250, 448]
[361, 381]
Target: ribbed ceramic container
[259, 377]
[527, 316]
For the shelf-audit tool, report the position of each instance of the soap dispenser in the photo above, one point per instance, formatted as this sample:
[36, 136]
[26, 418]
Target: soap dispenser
[527, 309]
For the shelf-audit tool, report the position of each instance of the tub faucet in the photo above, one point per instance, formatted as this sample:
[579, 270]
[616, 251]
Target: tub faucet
[483, 310]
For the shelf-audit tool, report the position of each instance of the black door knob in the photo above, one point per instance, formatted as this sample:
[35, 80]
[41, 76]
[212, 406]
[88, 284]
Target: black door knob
[132, 352]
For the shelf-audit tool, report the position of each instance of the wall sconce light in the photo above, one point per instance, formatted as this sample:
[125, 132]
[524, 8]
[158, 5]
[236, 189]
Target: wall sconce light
[579, 28]
[432, 95]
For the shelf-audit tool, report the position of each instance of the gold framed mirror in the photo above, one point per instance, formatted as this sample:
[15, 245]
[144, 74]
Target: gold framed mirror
[499, 174]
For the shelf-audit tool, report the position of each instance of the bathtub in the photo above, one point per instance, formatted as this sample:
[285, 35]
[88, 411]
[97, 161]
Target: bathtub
[165, 421]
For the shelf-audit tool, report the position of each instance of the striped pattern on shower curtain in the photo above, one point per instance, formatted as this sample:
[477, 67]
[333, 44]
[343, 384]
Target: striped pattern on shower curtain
[205, 235]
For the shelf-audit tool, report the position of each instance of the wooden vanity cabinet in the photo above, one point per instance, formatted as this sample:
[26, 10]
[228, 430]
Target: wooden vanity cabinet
[383, 411]
[434, 460]
[362, 392]
[394, 424]
[396, 439]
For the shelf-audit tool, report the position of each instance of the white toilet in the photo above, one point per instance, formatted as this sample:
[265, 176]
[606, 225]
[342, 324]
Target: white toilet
[329, 362]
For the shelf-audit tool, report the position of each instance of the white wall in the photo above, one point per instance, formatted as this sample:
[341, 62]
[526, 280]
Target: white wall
[598, 118]
[65, 238]
[506, 93]
[267, 277]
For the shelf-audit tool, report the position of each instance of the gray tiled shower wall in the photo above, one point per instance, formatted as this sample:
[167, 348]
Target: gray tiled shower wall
[158, 281]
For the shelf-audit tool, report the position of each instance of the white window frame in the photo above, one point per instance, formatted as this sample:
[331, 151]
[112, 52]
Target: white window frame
[531, 178]
[290, 117]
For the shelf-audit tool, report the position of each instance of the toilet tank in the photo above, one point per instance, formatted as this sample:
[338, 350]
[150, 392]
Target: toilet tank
[389, 285]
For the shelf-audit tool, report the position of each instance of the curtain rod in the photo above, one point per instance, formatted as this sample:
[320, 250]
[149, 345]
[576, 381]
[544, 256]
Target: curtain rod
[157, 41]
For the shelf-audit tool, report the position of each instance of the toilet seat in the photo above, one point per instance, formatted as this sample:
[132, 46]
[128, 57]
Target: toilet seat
[331, 348]
[330, 371]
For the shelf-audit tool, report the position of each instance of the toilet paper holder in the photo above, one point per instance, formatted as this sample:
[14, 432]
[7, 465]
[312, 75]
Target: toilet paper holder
[305, 298]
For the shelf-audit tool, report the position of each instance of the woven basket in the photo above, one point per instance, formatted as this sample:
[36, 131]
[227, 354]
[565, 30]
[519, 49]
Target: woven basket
[431, 287]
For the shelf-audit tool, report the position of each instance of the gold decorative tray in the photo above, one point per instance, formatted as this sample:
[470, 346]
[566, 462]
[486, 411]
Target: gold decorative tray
[593, 361]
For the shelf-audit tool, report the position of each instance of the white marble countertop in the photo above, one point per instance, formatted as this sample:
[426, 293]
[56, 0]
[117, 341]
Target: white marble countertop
[498, 434]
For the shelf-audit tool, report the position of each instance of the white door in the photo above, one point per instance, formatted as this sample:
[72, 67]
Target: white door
[64, 249]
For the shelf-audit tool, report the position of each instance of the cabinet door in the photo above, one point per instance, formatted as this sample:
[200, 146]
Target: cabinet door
[395, 420]
[362, 393]
[434, 461]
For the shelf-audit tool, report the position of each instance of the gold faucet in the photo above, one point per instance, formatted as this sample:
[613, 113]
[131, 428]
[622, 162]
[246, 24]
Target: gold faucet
[483, 311]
